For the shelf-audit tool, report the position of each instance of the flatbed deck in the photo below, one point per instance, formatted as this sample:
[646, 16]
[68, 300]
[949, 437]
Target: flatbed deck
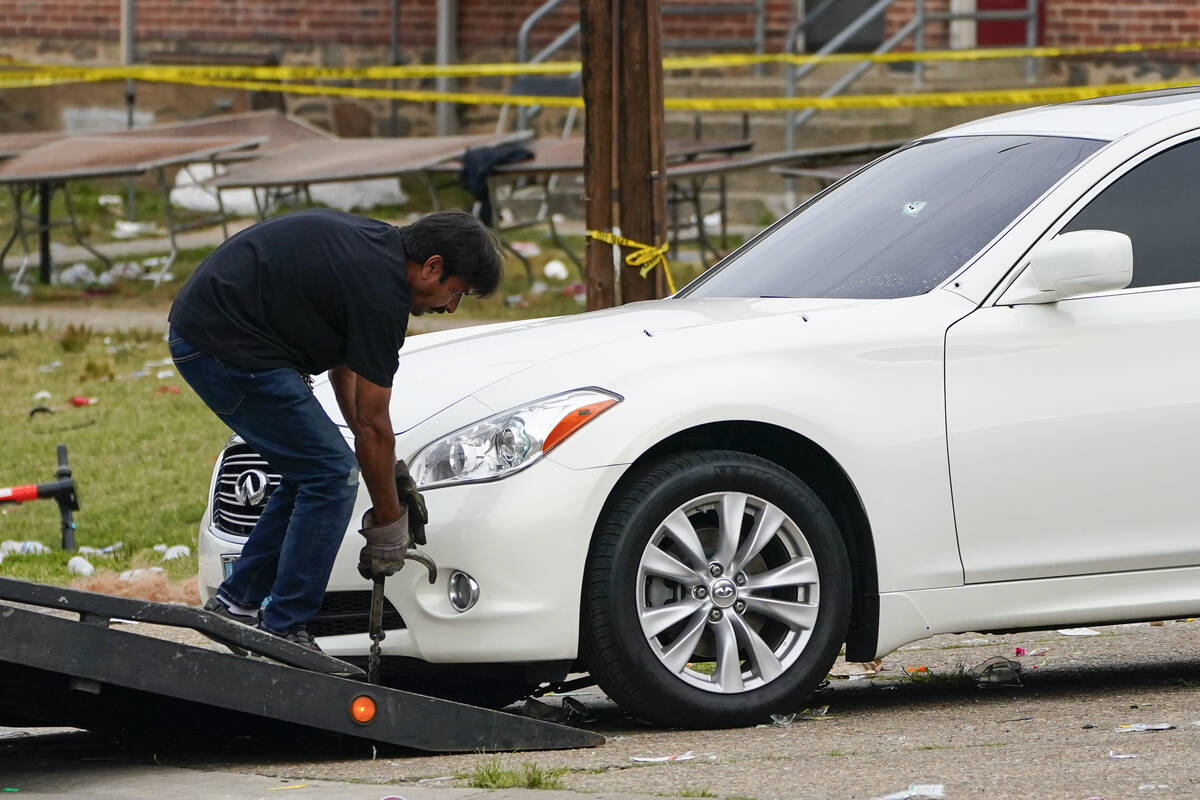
[84, 673]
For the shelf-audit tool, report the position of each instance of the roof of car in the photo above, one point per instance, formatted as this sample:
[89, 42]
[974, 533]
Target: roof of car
[1104, 118]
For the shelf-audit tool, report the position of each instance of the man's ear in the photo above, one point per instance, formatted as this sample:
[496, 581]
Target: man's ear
[432, 268]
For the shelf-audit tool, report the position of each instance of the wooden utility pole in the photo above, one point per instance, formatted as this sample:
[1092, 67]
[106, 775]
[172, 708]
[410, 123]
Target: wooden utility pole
[623, 141]
[641, 177]
[596, 23]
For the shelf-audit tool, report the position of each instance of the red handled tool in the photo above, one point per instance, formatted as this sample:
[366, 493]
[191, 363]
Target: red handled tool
[61, 491]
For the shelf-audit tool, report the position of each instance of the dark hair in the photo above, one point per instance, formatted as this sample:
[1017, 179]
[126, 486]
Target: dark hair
[468, 249]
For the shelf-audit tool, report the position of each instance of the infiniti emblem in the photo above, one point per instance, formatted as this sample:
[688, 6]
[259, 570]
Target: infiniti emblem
[724, 593]
[251, 487]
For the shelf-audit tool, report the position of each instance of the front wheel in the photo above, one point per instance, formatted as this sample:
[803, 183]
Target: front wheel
[717, 592]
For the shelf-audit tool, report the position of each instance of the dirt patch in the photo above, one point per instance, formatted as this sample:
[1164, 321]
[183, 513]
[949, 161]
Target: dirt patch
[148, 586]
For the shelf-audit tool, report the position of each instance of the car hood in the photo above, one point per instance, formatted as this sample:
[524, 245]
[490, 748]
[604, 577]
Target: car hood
[439, 369]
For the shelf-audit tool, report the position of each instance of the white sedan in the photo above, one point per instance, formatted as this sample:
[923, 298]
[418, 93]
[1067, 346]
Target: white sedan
[954, 392]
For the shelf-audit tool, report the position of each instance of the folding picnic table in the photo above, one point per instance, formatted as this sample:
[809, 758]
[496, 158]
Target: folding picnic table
[335, 160]
[43, 170]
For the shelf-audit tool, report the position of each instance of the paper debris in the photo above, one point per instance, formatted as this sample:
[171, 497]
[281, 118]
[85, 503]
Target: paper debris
[930, 790]
[178, 551]
[1145, 726]
[851, 668]
[101, 551]
[26, 548]
[688, 756]
[1078, 632]
[78, 565]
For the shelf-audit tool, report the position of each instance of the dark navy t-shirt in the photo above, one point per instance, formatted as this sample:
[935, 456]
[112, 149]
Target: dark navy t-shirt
[309, 290]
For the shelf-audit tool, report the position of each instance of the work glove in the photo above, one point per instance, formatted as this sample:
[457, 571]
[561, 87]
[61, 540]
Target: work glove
[406, 490]
[383, 554]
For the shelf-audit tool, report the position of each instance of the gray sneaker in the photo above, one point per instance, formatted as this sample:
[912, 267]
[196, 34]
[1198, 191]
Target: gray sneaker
[217, 607]
[299, 636]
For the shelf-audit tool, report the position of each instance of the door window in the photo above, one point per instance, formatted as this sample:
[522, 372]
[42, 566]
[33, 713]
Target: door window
[1157, 204]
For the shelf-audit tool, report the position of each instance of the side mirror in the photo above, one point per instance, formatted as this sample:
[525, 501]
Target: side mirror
[1073, 264]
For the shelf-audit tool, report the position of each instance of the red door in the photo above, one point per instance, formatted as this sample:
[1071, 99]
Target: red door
[1006, 32]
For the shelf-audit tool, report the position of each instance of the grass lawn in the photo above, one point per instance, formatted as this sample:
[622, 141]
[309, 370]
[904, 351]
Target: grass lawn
[141, 455]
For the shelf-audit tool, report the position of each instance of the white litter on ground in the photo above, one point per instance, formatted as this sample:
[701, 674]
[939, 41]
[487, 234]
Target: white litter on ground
[78, 565]
[178, 551]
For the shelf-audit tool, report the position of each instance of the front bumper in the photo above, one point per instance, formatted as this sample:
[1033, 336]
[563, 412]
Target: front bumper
[524, 539]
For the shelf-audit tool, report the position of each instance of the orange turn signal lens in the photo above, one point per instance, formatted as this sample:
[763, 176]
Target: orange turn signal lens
[574, 421]
[362, 710]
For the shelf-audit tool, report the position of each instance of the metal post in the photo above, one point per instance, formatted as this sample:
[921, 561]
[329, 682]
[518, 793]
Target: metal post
[44, 195]
[760, 33]
[127, 59]
[394, 59]
[63, 473]
[447, 53]
[919, 44]
[1031, 39]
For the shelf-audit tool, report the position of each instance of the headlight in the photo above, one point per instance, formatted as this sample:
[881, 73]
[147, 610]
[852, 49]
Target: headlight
[509, 441]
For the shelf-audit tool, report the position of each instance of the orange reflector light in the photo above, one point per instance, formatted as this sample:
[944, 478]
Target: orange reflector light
[362, 710]
[573, 422]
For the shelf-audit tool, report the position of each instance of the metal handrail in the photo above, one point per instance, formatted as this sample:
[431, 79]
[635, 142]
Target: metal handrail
[798, 27]
[915, 27]
[526, 26]
[559, 42]
[794, 73]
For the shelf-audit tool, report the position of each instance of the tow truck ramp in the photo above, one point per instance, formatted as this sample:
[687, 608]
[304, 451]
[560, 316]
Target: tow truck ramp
[84, 673]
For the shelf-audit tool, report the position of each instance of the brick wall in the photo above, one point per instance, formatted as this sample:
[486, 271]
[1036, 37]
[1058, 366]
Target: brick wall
[1083, 22]
[937, 34]
[484, 25]
[1087, 22]
[488, 29]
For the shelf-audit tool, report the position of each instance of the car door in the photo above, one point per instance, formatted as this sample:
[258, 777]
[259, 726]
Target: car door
[1073, 427]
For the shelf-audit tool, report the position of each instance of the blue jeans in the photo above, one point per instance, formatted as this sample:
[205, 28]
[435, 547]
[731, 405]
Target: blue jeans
[290, 552]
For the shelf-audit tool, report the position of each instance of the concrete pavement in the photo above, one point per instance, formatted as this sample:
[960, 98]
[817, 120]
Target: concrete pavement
[1063, 733]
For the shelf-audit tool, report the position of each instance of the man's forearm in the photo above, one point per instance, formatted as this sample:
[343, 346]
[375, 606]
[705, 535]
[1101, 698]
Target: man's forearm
[376, 453]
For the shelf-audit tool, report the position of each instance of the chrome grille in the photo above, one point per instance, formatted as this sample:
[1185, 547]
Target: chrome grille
[230, 515]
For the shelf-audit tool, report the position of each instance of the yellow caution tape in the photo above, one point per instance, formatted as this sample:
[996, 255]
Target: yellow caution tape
[1026, 97]
[169, 72]
[646, 256]
[1034, 96]
[17, 78]
[412, 95]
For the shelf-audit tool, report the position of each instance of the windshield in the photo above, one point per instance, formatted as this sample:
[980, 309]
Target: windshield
[902, 226]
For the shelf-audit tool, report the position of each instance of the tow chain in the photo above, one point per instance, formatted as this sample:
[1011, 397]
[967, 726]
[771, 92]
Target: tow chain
[375, 630]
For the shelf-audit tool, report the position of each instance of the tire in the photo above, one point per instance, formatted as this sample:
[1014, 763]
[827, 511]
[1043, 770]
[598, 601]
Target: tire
[677, 645]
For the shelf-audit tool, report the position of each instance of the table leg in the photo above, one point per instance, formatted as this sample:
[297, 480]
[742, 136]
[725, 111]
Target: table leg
[17, 228]
[45, 192]
[79, 238]
[554, 231]
[166, 193]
